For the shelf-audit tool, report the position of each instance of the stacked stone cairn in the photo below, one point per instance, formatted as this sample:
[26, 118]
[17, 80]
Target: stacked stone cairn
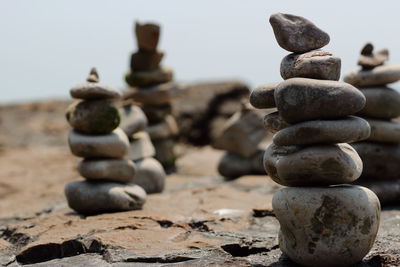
[380, 153]
[97, 138]
[324, 221]
[150, 174]
[152, 87]
[242, 139]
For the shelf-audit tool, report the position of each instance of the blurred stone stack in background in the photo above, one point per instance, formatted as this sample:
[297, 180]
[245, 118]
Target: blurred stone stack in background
[380, 153]
[97, 138]
[322, 222]
[152, 87]
[242, 138]
[149, 173]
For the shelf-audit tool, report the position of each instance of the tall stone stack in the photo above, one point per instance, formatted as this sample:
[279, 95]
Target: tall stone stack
[150, 175]
[324, 222]
[97, 138]
[380, 153]
[242, 139]
[152, 87]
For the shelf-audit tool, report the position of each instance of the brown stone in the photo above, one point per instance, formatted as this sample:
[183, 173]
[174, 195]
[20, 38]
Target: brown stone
[263, 96]
[146, 61]
[147, 36]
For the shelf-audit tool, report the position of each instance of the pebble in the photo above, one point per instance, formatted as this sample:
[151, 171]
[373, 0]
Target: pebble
[117, 170]
[133, 119]
[384, 131]
[91, 197]
[150, 175]
[297, 34]
[380, 75]
[263, 96]
[140, 146]
[113, 145]
[380, 160]
[158, 94]
[93, 116]
[302, 99]
[146, 61]
[165, 153]
[316, 64]
[232, 165]
[149, 78]
[312, 166]
[346, 130]
[326, 226]
[241, 134]
[147, 36]
[382, 103]
[165, 129]
[274, 123]
[94, 91]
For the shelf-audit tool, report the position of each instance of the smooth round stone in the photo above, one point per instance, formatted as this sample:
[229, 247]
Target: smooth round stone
[388, 192]
[381, 161]
[133, 119]
[326, 226]
[165, 129]
[117, 170]
[297, 34]
[149, 78]
[150, 175]
[369, 59]
[165, 153]
[92, 197]
[315, 64]
[93, 116]
[312, 166]
[274, 123]
[263, 96]
[94, 91]
[384, 131]
[302, 99]
[140, 146]
[113, 145]
[146, 61]
[382, 103]
[347, 130]
[380, 75]
[232, 165]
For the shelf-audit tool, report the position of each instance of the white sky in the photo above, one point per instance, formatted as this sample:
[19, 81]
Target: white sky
[49, 45]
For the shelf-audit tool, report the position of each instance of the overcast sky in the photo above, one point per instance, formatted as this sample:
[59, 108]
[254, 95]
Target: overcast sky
[49, 45]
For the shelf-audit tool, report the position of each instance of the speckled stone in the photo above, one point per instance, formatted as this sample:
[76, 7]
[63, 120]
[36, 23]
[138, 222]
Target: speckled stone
[263, 96]
[302, 99]
[316, 64]
[92, 197]
[346, 130]
[326, 226]
[380, 75]
[274, 123]
[113, 145]
[313, 165]
[297, 34]
[93, 116]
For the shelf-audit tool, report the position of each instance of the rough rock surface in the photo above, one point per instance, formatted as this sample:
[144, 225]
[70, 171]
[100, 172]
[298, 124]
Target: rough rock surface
[200, 219]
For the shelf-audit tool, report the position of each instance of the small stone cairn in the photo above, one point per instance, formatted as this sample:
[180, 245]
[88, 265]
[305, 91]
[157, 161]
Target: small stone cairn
[380, 153]
[97, 138]
[242, 137]
[324, 222]
[152, 87]
[150, 174]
